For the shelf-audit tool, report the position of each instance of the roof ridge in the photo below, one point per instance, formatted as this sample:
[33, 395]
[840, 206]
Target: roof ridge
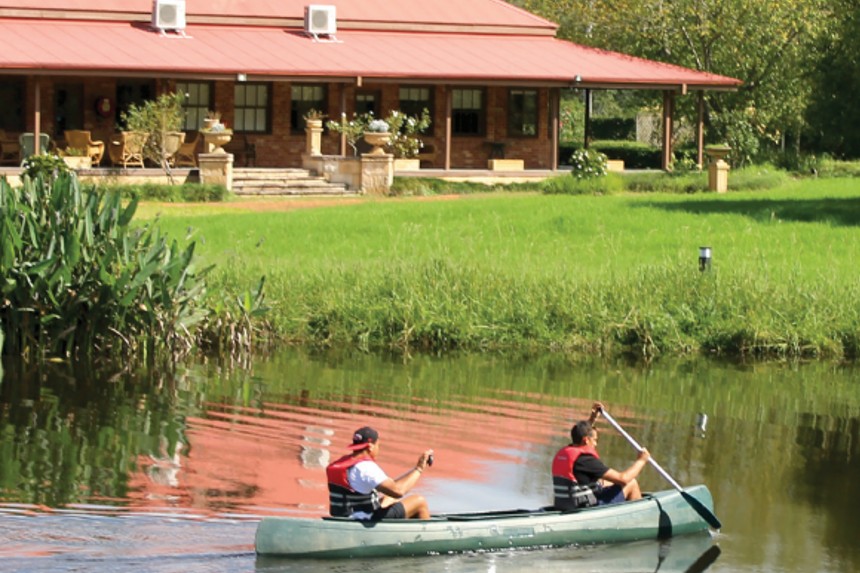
[525, 12]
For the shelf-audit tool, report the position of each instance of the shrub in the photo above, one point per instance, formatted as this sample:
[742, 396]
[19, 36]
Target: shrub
[187, 192]
[44, 166]
[588, 164]
[614, 128]
[80, 279]
[634, 154]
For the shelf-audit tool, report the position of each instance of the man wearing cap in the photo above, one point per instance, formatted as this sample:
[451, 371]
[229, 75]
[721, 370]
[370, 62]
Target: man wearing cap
[581, 479]
[360, 489]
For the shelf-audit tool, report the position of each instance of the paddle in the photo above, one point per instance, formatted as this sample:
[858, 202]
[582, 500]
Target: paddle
[697, 505]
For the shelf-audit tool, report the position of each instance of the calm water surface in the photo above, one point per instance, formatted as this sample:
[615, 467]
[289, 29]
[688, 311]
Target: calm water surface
[171, 471]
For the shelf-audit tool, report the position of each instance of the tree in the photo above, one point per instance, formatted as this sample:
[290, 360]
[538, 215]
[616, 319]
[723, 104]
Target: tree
[833, 113]
[160, 119]
[771, 45]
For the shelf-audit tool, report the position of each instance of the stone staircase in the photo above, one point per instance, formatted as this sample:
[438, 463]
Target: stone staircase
[283, 181]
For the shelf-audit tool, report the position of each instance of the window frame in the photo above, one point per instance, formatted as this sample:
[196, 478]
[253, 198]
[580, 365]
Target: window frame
[459, 116]
[297, 112]
[265, 108]
[200, 110]
[417, 108]
[518, 117]
[131, 91]
[375, 95]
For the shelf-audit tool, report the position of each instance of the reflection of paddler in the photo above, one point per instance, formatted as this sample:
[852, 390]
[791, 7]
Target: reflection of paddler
[360, 489]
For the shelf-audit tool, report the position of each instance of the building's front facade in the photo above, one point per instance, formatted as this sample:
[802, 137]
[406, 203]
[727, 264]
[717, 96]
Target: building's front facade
[489, 73]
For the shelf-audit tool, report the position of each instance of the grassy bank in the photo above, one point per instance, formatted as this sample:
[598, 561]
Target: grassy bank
[530, 271]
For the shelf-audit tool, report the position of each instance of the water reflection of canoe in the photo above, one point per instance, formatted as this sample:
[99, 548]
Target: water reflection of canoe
[659, 515]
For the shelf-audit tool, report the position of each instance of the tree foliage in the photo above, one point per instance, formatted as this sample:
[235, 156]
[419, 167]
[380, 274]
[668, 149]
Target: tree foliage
[771, 45]
[157, 118]
[833, 114]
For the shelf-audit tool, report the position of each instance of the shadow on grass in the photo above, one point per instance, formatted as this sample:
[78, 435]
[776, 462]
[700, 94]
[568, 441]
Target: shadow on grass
[836, 211]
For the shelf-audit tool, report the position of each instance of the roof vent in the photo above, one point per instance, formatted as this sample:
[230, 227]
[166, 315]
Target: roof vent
[168, 15]
[320, 21]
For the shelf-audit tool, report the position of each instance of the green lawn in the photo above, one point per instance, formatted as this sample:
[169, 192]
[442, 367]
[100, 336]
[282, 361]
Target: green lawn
[518, 270]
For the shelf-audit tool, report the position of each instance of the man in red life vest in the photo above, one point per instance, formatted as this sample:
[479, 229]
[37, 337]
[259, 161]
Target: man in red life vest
[580, 479]
[360, 489]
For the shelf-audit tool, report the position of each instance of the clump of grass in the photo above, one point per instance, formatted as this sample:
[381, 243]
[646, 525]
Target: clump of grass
[579, 274]
[755, 178]
[187, 192]
[568, 185]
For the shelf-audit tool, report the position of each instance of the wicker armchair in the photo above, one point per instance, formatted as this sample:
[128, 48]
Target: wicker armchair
[126, 148]
[82, 139]
[187, 154]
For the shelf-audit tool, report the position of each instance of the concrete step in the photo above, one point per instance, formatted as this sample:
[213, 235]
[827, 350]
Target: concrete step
[283, 181]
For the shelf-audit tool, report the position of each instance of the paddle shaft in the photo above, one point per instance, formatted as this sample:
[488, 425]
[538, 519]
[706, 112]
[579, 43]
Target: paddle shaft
[639, 448]
[703, 511]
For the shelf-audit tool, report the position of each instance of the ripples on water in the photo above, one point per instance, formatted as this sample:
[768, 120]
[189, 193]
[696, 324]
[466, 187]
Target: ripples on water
[172, 474]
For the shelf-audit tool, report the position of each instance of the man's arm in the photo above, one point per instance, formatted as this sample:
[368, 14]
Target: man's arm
[631, 473]
[397, 488]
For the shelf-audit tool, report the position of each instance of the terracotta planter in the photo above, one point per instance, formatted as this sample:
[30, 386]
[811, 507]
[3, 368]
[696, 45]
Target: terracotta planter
[378, 140]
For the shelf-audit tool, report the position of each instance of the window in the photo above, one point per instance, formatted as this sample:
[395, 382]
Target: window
[12, 105]
[132, 92]
[304, 99]
[523, 113]
[251, 107]
[414, 100]
[68, 107]
[467, 113]
[198, 101]
[367, 102]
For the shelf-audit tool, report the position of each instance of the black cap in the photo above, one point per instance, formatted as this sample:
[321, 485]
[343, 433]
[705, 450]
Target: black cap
[363, 437]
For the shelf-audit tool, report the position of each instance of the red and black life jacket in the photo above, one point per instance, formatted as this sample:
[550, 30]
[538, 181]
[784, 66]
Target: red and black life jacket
[568, 493]
[343, 500]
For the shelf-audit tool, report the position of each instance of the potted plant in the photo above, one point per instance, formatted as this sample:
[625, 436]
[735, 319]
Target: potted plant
[405, 144]
[313, 130]
[212, 117]
[377, 134]
[216, 136]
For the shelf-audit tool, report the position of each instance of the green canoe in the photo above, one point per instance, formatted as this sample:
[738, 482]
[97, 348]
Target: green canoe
[658, 515]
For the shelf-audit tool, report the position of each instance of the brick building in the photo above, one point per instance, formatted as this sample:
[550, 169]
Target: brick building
[491, 74]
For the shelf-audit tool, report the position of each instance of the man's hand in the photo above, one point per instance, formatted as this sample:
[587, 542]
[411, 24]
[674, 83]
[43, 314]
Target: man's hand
[596, 408]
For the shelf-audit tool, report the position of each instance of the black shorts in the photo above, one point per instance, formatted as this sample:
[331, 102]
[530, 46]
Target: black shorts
[396, 511]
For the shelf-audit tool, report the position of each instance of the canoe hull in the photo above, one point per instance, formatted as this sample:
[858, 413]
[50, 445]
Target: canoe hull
[659, 515]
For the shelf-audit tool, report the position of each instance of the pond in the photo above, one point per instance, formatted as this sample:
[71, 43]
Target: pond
[170, 471]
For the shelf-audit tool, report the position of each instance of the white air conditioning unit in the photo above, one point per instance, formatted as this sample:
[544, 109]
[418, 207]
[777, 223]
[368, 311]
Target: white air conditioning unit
[320, 19]
[168, 14]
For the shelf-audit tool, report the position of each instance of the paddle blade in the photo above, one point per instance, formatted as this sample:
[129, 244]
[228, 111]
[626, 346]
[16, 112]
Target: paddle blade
[700, 508]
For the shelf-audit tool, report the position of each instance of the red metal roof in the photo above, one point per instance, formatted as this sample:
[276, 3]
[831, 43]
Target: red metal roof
[115, 48]
[448, 12]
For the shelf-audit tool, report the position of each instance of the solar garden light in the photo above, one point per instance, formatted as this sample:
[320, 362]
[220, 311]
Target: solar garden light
[704, 258]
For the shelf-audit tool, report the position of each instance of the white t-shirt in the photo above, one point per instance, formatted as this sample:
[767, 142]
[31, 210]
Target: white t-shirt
[364, 477]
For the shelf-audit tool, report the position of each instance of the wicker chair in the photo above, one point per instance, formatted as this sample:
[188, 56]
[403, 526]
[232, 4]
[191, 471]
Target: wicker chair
[82, 140]
[173, 141]
[126, 148]
[187, 154]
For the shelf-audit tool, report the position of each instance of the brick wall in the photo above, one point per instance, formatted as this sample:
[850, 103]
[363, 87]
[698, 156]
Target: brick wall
[281, 147]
